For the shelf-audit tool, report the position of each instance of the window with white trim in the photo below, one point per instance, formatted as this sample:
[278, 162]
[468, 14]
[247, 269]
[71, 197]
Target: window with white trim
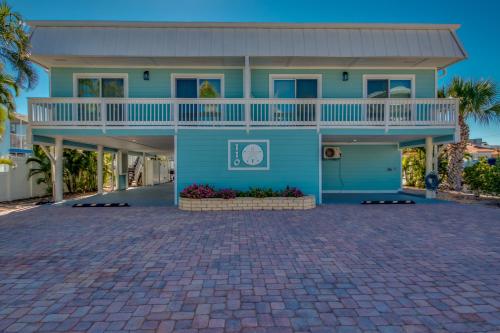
[294, 87]
[100, 85]
[193, 86]
[389, 87]
[199, 86]
[299, 86]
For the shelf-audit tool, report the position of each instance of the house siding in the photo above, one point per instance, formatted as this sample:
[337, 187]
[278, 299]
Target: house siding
[334, 87]
[159, 84]
[363, 168]
[202, 157]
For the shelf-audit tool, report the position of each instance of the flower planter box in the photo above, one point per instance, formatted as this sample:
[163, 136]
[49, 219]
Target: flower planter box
[274, 203]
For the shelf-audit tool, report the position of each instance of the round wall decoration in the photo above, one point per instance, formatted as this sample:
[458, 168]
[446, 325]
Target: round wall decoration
[252, 154]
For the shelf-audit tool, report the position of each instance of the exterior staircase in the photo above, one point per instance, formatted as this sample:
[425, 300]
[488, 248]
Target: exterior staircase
[135, 172]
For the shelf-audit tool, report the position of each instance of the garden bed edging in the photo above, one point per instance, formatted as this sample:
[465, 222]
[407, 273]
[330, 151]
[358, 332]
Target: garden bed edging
[245, 203]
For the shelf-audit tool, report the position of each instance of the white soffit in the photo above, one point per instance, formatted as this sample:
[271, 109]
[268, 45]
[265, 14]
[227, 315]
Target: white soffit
[162, 44]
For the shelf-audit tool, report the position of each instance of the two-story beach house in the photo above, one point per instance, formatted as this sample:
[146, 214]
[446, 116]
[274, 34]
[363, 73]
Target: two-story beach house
[323, 107]
[13, 141]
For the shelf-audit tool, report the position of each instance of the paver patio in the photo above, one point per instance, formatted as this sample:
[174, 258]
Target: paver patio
[344, 268]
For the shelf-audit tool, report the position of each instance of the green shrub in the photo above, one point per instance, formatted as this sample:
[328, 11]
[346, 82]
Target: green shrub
[483, 178]
[258, 192]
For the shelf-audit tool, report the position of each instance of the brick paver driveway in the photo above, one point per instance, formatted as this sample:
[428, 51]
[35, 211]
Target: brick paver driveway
[336, 268]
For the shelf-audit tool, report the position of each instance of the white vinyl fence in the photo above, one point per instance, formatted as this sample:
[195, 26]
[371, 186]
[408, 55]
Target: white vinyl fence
[14, 183]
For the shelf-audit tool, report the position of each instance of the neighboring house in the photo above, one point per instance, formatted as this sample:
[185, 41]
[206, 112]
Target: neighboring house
[477, 148]
[18, 136]
[13, 140]
[324, 107]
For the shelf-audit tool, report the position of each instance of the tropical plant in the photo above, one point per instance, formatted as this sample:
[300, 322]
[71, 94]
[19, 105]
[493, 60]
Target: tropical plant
[478, 101]
[3, 118]
[80, 170]
[15, 53]
[41, 168]
[413, 165]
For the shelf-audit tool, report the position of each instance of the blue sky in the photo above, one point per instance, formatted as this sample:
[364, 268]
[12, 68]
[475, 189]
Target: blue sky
[479, 19]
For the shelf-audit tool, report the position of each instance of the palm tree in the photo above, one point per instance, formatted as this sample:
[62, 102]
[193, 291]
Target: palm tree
[478, 101]
[15, 52]
[41, 167]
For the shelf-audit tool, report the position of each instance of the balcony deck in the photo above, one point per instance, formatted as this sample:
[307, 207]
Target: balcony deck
[245, 113]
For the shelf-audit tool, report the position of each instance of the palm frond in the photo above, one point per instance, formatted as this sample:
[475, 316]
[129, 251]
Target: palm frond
[478, 99]
[15, 48]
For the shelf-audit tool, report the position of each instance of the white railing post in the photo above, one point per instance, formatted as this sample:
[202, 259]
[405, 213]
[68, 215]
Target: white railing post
[176, 115]
[74, 113]
[318, 115]
[413, 111]
[247, 83]
[103, 115]
[248, 116]
[387, 106]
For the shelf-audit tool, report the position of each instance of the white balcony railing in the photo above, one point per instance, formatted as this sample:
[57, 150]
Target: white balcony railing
[19, 141]
[242, 112]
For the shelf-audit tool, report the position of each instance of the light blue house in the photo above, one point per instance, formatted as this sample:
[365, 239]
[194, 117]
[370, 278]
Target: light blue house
[13, 141]
[324, 107]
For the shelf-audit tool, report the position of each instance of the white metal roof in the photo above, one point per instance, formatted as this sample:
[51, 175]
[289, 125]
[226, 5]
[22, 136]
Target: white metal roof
[158, 43]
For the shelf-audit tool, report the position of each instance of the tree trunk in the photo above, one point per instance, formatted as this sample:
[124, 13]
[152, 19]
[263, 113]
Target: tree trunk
[456, 153]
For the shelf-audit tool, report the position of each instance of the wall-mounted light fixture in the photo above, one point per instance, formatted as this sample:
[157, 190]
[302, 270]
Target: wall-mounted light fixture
[345, 76]
[145, 75]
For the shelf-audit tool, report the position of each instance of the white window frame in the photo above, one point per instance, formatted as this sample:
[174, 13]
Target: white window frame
[197, 76]
[317, 77]
[388, 77]
[100, 76]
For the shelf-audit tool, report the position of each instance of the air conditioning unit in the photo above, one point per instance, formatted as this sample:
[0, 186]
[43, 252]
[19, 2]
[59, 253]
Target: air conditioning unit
[331, 153]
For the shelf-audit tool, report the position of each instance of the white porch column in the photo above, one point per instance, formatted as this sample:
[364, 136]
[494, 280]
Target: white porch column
[144, 169]
[247, 78]
[117, 170]
[429, 152]
[100, 164]
[247, 88]
[58, 169]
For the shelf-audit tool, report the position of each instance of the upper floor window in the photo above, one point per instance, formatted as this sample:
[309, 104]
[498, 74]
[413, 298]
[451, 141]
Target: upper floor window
[18, 128]
[100, 85]
[391, 86]
[302, 86]
[199, 86]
